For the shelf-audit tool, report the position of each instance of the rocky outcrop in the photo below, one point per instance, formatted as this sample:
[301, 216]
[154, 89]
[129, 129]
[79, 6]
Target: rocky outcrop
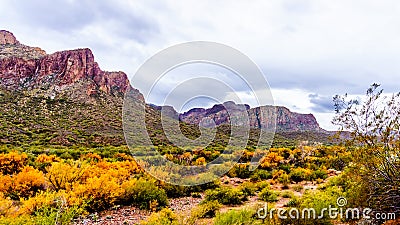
[7, 38]
[26, 68]
[264, 117]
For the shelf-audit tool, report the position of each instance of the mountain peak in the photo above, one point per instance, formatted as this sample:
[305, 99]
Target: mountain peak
[72, 73]
[7, 38]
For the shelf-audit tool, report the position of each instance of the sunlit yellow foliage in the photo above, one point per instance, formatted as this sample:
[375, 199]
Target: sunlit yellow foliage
[62, 175]
[200, 161]
[22, 185]
[12, 162]
[43, 158]
[92, 157]
[120, 170]
[28, 182]
[6, 183]
[271, 160]
[123, 157]
[102, 191]
[164, 217]
[41, 200]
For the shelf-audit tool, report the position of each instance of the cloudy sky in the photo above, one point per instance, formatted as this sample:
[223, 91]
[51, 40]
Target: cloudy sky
[309, 50]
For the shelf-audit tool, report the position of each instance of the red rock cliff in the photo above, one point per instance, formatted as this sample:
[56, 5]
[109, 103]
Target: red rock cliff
[27, 68]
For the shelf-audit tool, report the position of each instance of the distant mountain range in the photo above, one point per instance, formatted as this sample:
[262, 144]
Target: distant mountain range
[65, 98]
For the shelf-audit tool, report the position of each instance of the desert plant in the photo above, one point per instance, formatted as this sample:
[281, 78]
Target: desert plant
[242, 216]
[268, 195]
[226, 196]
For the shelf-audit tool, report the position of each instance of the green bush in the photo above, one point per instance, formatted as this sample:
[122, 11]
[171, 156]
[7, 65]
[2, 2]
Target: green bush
[299, 174]
[233, 217]
[164, 217]
[50, 216]
[248, 188]
[226, 196]
[143, 192]
[284, 180]
[206, 209]
[260, 174]
[240, 171]
[320, 174]
[294, 202]
[261, 185]
[268, 195]
[287, 194]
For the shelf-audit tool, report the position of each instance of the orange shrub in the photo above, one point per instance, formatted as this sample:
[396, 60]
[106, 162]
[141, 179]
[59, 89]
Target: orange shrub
[271, 160]
[102, 191]
[28, 182]
[62, 175]
[24, 184]
[43, 158]
[12, 162]
[200, 161]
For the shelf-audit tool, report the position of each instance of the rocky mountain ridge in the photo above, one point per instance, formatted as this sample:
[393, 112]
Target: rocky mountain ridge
[24, 68]
[64, 98]
[262, 117]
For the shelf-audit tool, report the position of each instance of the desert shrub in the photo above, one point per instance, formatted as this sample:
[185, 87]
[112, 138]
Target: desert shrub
[248, 188]
[226, 196]
[22, 185]
[144, 193]
[271, 161]
[299, 174]
[319, 200]
[175, 191]
[293, 202]
[44, 204]
[91, 157]
[374, 128]
[12, 162]
[200, 161]
[268, 195]
[232, 217]
[206, 209]
[163, 217]
[102, 191]
[260, 174]
[319, 174]
[20, 220]
[62, 175]
[287, 194]
[196, 195]
[43, 160]
[61, 215]
[261, 185]
[285, 167]
[284, 180]
[240, 170]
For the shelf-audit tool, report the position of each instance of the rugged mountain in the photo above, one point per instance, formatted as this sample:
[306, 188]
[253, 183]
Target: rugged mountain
[259, 117]
[61, 98]
[64, 98]
[73, 73]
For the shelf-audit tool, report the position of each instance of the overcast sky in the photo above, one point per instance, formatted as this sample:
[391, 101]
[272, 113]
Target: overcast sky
[309, 50]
